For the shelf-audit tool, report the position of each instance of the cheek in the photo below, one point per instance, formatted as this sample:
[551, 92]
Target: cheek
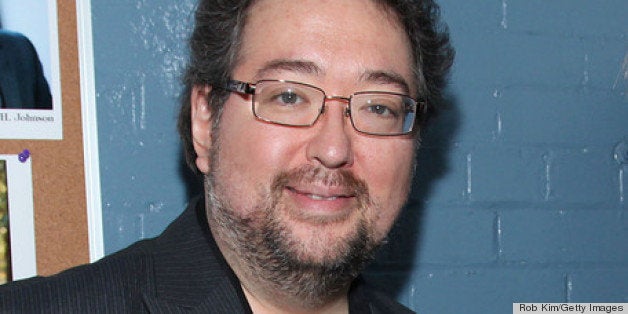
[251, 153]
[389, 168]
[261, 150]
[389, 177]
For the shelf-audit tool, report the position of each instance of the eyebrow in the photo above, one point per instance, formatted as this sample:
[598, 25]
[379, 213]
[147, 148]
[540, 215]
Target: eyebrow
[386, 77]
[309, 67]
[301, 66]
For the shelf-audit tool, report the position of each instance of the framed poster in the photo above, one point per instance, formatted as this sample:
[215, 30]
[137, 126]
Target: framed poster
[30, 90]
[17, 228]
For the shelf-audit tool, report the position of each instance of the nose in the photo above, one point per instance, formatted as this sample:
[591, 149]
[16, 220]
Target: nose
[331, 146]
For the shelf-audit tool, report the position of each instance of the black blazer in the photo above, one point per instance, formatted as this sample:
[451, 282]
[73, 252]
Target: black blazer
[181, 271]
[22, 82]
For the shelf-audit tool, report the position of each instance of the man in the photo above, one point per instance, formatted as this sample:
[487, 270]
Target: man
[22, 81]
[304, 119]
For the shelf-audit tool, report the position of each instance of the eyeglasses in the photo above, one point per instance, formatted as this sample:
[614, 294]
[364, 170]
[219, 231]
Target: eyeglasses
[299, 104]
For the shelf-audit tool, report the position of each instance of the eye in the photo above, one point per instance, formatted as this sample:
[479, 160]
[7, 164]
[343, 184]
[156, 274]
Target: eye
[381, 110]
[289, 97]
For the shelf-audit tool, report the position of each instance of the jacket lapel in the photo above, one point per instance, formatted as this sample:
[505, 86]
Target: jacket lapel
[190, 275]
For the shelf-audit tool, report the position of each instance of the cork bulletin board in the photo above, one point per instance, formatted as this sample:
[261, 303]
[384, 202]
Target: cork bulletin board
[58, 165]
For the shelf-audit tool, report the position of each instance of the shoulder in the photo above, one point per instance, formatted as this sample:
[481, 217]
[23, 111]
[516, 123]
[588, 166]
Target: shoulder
[117, 283]
[112, 282]
[12, 37]
[16, 43]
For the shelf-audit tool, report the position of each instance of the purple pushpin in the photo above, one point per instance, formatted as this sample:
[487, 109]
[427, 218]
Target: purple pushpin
[23, 156]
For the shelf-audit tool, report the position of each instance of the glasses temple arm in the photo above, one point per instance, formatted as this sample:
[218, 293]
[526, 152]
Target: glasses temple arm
[240, 87]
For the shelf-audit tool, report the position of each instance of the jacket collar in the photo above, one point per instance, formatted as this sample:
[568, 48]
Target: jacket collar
[190, 272]
[191, 275]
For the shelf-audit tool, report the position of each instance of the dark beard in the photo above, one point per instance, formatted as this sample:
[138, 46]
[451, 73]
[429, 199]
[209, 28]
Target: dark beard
[267, 247]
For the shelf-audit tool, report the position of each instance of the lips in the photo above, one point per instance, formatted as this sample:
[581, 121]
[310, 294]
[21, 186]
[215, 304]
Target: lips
[320, 204]
[321, 193]
[318, 195]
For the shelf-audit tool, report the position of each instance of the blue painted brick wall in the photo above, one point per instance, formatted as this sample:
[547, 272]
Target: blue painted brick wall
[139, 53]
[521, 194]
[528, 204]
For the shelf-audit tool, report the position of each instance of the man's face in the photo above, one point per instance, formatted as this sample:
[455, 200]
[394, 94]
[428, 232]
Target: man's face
[320, 185]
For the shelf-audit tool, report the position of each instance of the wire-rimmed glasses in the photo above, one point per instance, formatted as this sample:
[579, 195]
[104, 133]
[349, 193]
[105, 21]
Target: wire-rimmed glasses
[298, 104]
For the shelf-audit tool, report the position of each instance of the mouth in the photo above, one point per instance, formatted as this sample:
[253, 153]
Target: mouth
[320, 195]
[321, 204]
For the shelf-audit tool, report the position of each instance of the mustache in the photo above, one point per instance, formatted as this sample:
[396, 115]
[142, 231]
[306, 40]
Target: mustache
[308, 174]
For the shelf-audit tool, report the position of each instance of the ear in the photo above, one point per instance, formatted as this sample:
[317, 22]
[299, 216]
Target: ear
[201, 116]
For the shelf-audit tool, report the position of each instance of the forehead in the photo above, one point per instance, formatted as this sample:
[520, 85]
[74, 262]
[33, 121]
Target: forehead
[349, 36]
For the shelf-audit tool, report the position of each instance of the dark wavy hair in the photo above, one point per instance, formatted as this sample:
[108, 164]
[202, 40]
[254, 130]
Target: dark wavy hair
[216, 39]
